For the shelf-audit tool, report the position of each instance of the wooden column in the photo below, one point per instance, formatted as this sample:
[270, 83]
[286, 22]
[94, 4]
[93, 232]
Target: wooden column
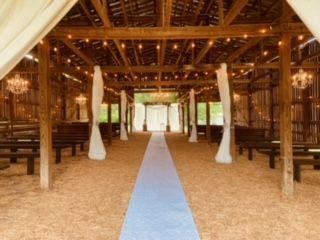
[271, 113]
[130, 117]
[119, 110]
[45, 115]
[306, 114]
[182, 114]
[285, 95]
[188, 117]
[233, 150]
[208, 128]
[11, 112]
[109, 118]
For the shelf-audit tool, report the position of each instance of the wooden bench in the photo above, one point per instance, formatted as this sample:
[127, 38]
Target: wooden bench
[30, 156]
[34, 146]
[305, 153]
[297, 163]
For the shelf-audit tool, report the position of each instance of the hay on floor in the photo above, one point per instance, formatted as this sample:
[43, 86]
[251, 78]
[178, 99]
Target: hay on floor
[243, 200]
[89, 199]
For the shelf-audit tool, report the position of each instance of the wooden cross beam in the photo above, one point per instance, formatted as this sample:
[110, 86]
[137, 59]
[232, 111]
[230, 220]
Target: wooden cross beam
[189, 32]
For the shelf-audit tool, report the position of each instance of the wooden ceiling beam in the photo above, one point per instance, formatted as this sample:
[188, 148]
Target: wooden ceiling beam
[236, 8]
[78, 52]
[189, 32]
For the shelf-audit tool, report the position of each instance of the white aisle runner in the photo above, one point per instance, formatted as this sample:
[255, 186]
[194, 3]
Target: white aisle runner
[158, 209]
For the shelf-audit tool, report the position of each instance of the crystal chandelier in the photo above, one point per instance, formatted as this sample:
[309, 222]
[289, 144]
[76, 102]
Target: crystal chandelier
[81, 99]
[17, 85]
[301, 79]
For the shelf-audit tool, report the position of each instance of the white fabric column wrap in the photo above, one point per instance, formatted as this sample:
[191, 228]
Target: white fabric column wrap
[193, 136]
[308, 11]
[223, 154]
[123, 131]
[23, 23]
[97, 150]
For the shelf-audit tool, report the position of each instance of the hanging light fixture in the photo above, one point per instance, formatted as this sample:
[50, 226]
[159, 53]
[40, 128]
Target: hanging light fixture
[81, 99]
[17, 85]
[301, 79]
[236, 97]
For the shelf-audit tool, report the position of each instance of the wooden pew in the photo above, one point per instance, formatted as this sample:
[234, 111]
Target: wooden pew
[30, 156]
[296, 152]
[298, 162]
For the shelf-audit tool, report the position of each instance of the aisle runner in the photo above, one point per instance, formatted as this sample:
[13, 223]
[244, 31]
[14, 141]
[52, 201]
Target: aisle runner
[158, 209]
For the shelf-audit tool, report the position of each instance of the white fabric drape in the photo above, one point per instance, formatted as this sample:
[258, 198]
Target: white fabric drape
[123, 131]
[23, 23]
[193, 136]
[156, 117]
[308, 11]
[223, 154]
[97, 150]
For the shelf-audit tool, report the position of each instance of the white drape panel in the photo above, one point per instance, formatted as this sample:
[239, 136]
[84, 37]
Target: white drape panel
[139, 110]
[123, 131]
[96, 147]
[23, 23]
[193, 136]
[157, 117]
[174, 117]
[223, 154]
[309, 12]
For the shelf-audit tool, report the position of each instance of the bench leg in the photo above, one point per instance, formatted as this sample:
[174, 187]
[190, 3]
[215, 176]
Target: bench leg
[74, 149]
[250, 154]
[272, 163]
[240, 150]
[297, 173]
[30, 166]
[314, 166]
[13, 159]
[58, 155]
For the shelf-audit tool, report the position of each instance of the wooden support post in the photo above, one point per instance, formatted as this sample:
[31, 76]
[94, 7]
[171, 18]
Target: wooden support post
[130, 117]
[11, 112]
[119, 110]
[109, 119]
[285, 94]
[188, 118]
[306, 114]
[208, 127]
[271, 114]
[183, 117]
[233, 150]
[45, 115]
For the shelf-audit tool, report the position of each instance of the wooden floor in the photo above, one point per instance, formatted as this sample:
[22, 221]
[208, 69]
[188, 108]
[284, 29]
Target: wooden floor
[90, 198]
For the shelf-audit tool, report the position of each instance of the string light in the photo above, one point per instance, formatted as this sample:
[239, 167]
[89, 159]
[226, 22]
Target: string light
[158, 47]
[87, 40]
[105, 43]
[245, 36]
[140, 46]
[210, 43]
[55, 49]
[123, 45]
[175, 46]
[301, 37]
[228, 39]
[69, 36]
[265, 53]
[193, 45]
